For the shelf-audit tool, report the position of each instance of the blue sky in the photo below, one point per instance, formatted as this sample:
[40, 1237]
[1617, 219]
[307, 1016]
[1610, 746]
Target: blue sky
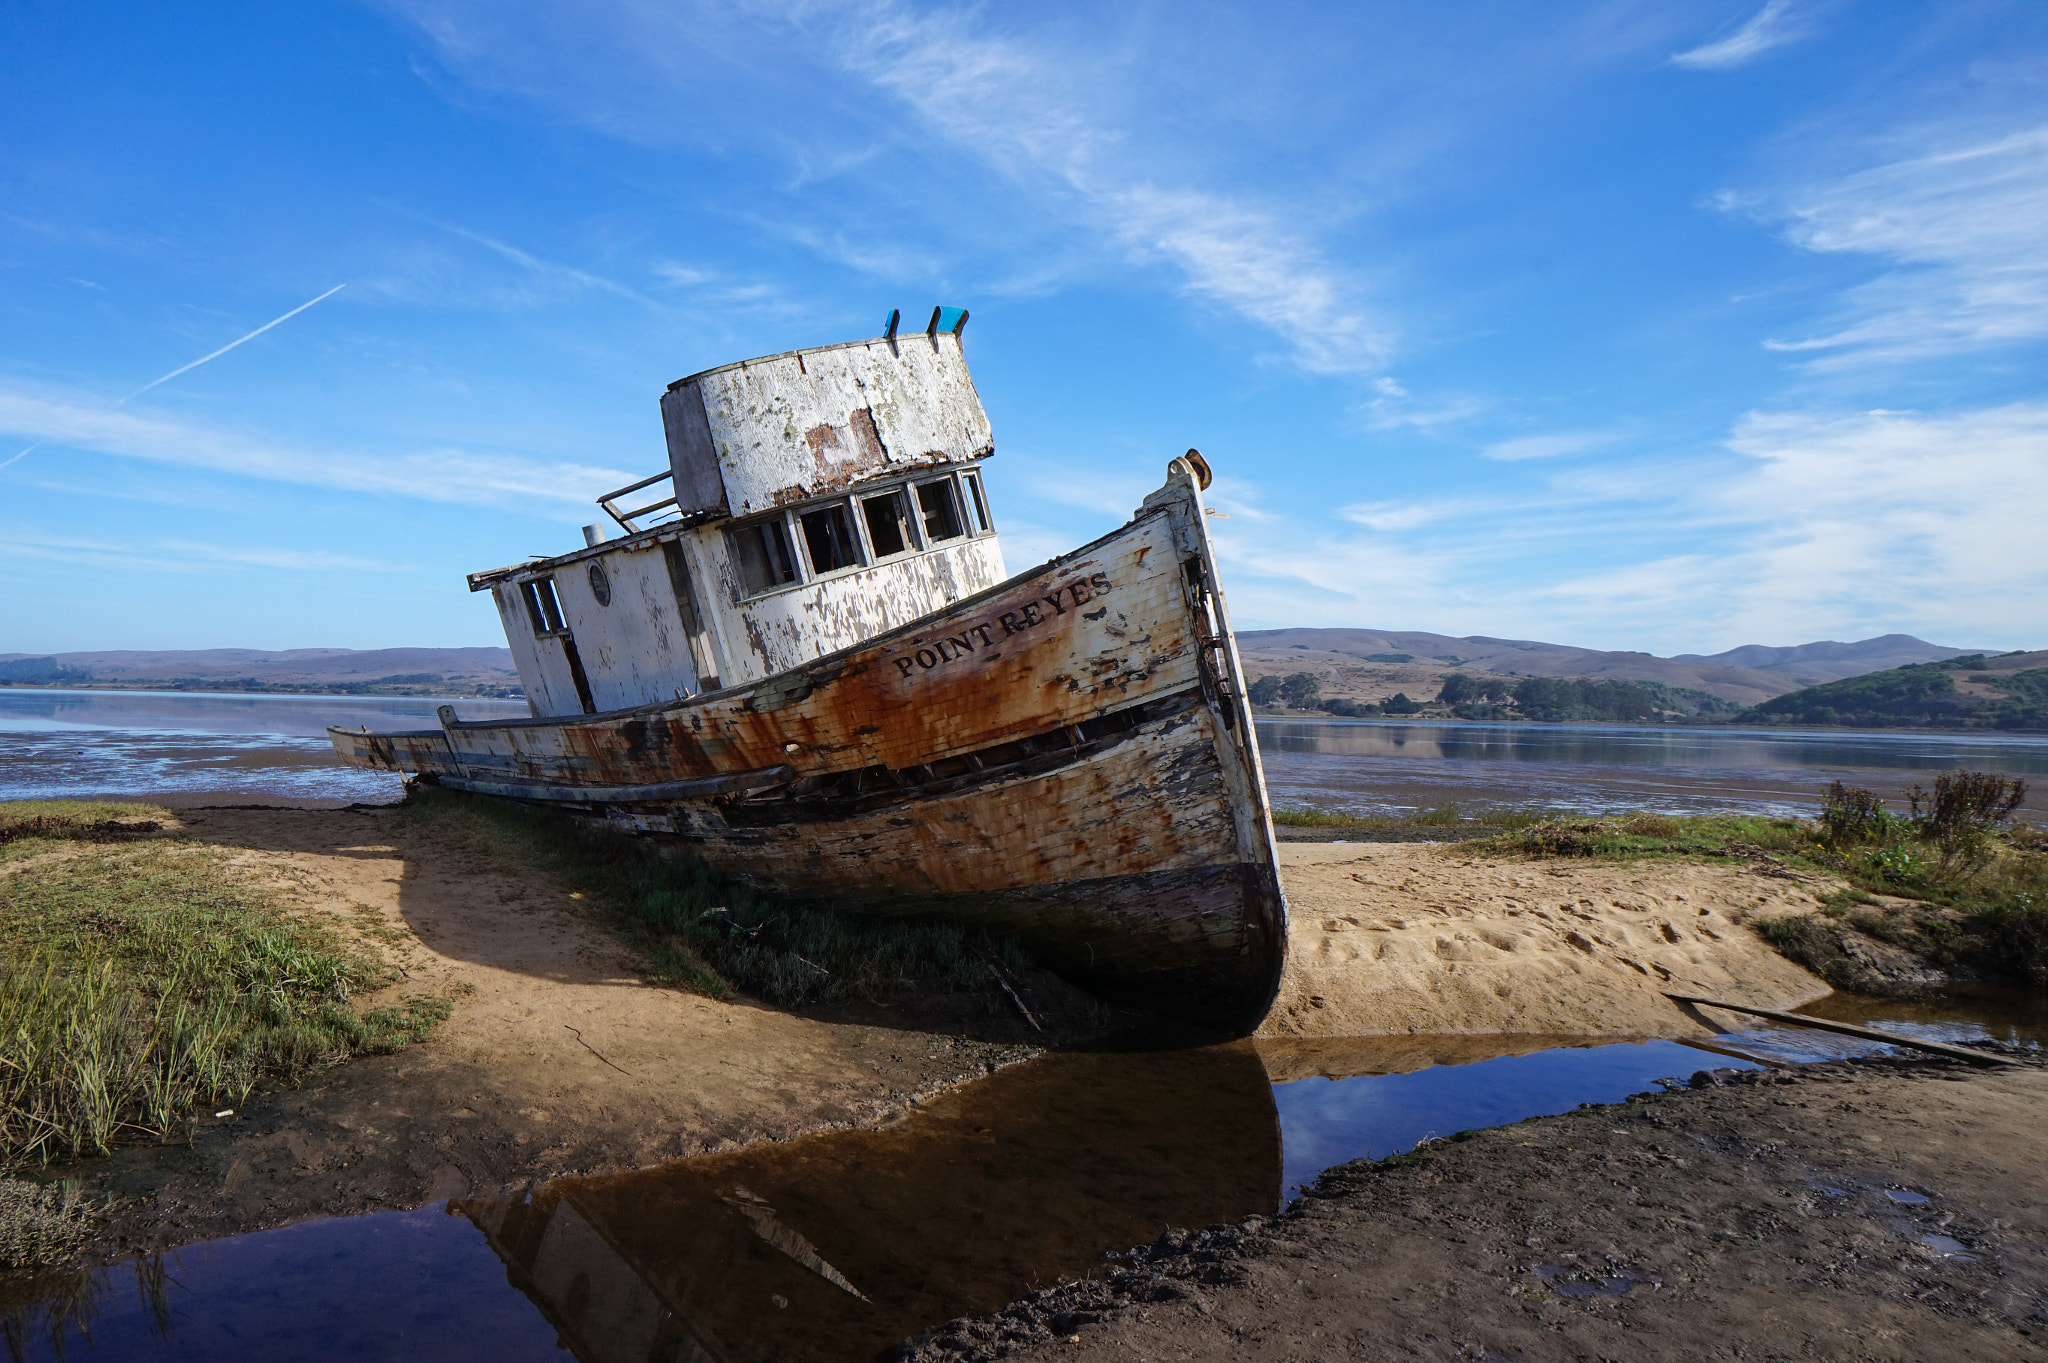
[1632, 325]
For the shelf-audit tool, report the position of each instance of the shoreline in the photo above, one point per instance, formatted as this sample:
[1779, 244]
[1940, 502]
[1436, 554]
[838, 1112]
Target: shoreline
[1875, 1209]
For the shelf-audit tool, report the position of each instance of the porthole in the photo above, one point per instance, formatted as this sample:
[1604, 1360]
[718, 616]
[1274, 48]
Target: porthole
[600, 584]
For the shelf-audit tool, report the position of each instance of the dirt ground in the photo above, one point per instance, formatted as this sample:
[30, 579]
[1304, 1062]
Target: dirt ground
[1391, 938]
[557, 1058]
[1869, 1210]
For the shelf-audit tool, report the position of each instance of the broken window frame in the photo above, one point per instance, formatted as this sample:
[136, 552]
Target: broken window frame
[775, 577]
[842, 511]
[948, 487]
[906, 524]
[543, 607]
[980, 523]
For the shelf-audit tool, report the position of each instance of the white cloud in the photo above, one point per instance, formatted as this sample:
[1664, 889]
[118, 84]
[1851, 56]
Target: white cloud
[179, 556]
[1545, 446]
[1392, 407]
[1870, 521]
[1772, 26]
[1962, 225]
[463, 477]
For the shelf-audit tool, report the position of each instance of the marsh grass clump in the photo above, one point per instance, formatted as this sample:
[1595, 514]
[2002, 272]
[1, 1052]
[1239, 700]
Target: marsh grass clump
[141, 981]
[706, 933]
[1851, 814]
[41, 1223]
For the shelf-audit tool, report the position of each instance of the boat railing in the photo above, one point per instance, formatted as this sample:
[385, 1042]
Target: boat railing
[627, 519]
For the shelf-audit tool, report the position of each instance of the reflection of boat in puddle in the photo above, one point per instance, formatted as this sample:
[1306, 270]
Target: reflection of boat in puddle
[840, 1245]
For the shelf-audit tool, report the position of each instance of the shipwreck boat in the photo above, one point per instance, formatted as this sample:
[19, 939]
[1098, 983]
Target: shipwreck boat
[806, 663]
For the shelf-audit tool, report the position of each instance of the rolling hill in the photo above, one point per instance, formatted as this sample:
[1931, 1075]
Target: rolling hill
[1370, 665]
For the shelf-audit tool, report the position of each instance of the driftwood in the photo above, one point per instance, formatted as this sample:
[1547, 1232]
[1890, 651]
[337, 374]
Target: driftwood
[1850, 1029]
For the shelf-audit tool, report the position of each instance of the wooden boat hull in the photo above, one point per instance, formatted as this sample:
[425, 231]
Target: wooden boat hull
[1067, 757]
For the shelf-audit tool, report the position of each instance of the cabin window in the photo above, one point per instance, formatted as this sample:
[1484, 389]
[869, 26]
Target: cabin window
[888, 524]
[829, 537]
[542, 607]
[761, 556]
[976, 501]
[940, 507]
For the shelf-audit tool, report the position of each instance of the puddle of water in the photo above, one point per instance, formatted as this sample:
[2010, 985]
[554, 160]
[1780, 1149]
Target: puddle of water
[1364, 1104]
[837, 1246]
[833, 1247]
[1947, 1246]
[418, 1284]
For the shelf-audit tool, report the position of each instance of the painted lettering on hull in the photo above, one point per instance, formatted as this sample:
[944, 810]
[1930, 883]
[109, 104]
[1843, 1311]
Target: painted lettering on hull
[1020, 619]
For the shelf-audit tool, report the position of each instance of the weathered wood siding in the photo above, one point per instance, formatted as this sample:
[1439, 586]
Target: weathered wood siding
[764, 433]
[796, 626]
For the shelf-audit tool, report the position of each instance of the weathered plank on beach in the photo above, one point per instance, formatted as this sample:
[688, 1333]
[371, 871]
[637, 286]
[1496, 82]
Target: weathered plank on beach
[1850, 1029]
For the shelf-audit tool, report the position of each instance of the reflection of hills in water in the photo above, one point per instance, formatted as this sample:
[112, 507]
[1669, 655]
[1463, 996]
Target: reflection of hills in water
[839, 1246]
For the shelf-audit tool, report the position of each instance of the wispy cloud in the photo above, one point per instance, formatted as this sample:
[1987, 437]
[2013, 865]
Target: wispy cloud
[1545, 446]
[1392, 407]
[179, 556]
[466, 477]
[1862, 521]
[1003, 102]
[526, 260]
[1962, 226]
[1772, 26]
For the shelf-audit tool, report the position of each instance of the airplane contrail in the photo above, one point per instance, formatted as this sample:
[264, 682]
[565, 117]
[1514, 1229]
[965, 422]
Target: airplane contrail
[186, 368]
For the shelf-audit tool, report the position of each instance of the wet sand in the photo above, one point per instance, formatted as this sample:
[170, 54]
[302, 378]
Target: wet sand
[1867, 1210]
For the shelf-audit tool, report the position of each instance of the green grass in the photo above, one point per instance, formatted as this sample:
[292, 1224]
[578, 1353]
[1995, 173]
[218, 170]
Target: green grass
[144, 978]
[703, 932]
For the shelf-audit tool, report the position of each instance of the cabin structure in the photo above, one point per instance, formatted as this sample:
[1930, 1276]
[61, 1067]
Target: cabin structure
[815, 499]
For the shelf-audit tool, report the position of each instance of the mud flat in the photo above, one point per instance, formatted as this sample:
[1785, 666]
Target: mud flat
[1870, 1210]
[1392, 938]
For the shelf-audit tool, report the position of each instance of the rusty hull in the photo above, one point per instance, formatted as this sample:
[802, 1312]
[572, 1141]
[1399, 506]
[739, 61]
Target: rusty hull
[1067, 756]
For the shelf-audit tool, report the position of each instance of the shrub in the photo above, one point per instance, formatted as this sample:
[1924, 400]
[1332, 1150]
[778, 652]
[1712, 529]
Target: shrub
[1399, 704]
[1962, 810]
[1853, 814]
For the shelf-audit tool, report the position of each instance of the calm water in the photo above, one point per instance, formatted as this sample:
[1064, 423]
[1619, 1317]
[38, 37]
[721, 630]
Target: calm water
[837, 1246]
[74, 743]
[1381, 768]
[66, 744]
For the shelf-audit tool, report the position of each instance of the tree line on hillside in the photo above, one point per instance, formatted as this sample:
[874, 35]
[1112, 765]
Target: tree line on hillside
[1916, 695]
[1471, 695]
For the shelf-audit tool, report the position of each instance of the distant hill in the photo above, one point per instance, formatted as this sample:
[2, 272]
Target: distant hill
[1966, 692]
[447, 671]
[1812, 664]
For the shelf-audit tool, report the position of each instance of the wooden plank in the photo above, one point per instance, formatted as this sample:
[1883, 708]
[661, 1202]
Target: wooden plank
[1850, 1029]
